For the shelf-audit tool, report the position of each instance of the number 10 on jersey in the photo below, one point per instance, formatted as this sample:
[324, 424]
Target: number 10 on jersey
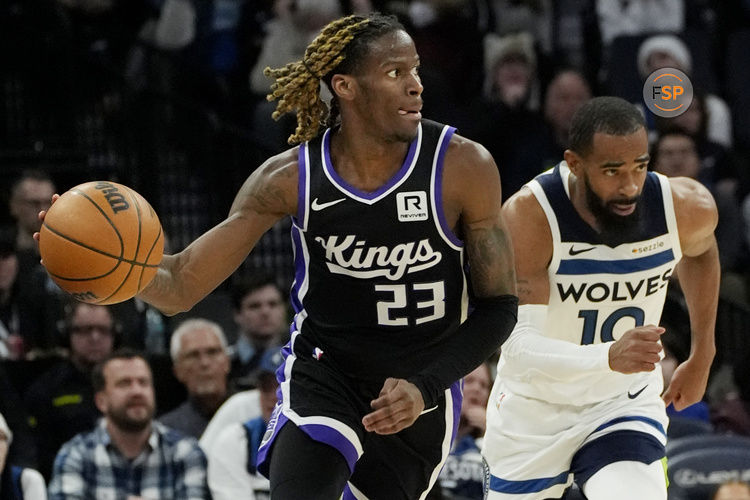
[590, 318]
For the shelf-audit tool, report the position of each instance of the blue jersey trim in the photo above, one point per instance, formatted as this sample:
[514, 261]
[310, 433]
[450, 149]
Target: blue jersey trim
[527, 485]
[438, 194]
[590, 266]
[302, 167]
[650, 421]
[300, 270]
[397, 177]
[573, 228]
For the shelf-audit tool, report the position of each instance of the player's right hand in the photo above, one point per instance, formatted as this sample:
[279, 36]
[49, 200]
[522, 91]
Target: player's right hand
[397, 406]
[638, 350]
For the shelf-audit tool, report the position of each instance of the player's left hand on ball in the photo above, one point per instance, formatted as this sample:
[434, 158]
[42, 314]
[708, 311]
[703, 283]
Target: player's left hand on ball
[42, 214]
[398, 405]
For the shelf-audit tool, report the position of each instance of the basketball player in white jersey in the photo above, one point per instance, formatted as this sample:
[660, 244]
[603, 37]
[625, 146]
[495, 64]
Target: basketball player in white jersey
[579, 393]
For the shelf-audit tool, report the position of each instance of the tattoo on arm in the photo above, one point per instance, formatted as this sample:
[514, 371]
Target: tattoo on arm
[491, 261]
[524, 290]
[266, 199]
[267, 193]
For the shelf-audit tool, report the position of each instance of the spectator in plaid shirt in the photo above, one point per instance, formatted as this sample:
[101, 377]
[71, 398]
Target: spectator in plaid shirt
[128, 455]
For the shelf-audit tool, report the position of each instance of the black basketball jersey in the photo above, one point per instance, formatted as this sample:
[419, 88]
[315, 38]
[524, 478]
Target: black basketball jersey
[379, 281]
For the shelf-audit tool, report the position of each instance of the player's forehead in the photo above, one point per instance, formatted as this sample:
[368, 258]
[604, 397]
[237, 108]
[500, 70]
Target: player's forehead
[613, 148]
[392, 47]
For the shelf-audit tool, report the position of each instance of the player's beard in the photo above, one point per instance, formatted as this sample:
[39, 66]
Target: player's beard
[614, 229]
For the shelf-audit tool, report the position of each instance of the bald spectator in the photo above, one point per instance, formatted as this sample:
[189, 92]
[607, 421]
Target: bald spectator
[201, 363]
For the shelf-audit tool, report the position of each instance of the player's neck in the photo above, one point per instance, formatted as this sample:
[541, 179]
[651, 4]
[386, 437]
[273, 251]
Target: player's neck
[364, 161]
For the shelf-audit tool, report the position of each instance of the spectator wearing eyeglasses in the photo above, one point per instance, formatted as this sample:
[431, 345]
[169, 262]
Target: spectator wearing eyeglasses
[199, 355]
[61, 401]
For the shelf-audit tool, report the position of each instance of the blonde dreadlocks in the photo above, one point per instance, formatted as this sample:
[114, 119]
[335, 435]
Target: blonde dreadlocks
[339, 46]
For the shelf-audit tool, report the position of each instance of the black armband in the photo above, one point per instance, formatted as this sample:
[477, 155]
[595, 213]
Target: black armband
[482, 334]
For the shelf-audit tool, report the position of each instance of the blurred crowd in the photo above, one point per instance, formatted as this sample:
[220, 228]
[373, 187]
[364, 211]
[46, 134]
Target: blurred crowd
[168, 96]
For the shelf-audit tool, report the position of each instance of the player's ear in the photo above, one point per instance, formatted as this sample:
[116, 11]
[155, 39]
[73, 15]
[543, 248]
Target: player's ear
[343, 86]
[573, 160]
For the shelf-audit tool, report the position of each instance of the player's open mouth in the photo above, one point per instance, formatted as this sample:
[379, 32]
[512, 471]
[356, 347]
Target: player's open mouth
[623, 208]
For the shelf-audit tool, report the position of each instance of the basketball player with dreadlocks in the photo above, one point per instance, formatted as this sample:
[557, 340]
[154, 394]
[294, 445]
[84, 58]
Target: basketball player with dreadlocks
[387, 208]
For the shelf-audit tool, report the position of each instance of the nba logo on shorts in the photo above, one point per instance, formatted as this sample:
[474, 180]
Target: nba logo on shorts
[412, 206]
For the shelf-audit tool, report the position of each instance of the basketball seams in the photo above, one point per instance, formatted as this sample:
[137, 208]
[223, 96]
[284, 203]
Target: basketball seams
[137, 205]
[104, 214]
[86, 246]
[96, 250]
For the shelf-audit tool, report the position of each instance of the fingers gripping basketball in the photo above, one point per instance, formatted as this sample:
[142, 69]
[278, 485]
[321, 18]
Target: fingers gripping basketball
[101, 242]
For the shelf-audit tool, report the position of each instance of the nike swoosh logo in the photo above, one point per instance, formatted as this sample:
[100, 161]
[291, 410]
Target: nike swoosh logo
[320, 206]
[573, 251]
[429, 410]
[635, 395]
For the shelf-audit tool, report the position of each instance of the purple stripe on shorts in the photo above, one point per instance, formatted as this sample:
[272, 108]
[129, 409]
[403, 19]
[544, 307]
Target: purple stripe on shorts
[332, 437]
[276, 422]
[348, 495]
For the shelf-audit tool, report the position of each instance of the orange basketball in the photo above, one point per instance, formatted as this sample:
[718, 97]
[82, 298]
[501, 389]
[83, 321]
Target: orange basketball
[101, 242]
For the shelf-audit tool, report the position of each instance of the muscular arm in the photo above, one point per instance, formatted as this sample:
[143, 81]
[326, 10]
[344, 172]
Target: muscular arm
[472, 192]
[698, 274]
[529, 352]
[526, 347]
[471, 200]
[186, 277]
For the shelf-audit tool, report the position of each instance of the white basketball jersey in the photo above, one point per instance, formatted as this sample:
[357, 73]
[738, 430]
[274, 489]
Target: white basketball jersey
[598, 292]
